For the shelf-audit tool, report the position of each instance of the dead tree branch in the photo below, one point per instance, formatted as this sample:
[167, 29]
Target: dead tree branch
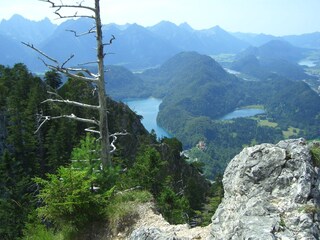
[110, 41]
[114, 137]
[98, 79]
[92, 130]
[39, 51]
[43, 119]
[65, 62]
[68, 72]
[84, 70]
[74, 103]
[60, 6]
[62, 69]
[91, 30]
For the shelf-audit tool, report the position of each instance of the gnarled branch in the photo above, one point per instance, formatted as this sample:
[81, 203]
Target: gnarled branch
[59, 6]
[110, 41]
[114, 137]
[91, 30]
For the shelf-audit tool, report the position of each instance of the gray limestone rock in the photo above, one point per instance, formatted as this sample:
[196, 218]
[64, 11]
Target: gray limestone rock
[152, 233]
[271, 192]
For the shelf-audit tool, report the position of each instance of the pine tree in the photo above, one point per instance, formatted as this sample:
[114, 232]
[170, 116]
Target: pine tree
[53, 79]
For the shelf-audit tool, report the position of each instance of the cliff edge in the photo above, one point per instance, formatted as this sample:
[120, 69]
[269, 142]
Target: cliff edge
[271, 192]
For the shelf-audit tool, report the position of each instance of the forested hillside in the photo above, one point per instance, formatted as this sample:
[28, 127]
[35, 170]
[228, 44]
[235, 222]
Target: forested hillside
[86, 179]
[197, 92]
[139, 162]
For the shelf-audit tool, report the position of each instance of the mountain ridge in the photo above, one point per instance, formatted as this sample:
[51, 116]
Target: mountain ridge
[136, 47]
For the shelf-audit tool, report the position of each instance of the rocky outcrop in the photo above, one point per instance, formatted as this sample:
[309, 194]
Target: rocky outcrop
[151, 225]
[271, 192]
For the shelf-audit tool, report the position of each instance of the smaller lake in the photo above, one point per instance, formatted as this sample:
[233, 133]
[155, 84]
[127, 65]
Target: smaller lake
[148, 108]
[246, 112]
[307, 62]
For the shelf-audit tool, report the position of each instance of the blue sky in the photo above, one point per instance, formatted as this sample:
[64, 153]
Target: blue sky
[277, 17]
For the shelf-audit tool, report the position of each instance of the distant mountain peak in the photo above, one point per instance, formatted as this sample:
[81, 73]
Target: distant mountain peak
[186, 26]
[278, 43]
[164, 25]
[17, 16]
[217, 29]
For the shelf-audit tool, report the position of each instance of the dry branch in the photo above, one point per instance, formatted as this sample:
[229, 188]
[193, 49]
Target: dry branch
[110, 41]
[97, 79]
[74, 103]
[92, 130]
[39, 51]
[44, 119]
[114, 137]
[60, 6]
[91, 30]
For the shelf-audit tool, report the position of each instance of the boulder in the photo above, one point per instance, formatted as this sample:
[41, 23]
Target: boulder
[271, 192]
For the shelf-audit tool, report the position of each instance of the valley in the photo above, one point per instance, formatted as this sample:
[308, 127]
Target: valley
[159, 130]
[200, 76]
[148, 109]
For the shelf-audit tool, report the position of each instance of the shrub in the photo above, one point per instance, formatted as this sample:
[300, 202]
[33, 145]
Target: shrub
[68, 198]
[315, 153]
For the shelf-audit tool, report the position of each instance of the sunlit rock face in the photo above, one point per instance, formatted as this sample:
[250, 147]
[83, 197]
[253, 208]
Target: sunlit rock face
[271, 192]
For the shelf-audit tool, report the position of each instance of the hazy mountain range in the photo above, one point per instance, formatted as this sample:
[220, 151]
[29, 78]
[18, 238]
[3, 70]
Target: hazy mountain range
[276, 56]
[135, 47]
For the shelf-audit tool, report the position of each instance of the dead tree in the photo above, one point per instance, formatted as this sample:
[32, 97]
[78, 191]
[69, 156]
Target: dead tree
[93, 12]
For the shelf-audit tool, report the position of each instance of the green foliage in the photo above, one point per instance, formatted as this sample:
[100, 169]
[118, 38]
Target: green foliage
[77, 195]
[310, 209]
[146, 170]
[315, 153]
[20, 150]
[40, 232]
[282, 222]
[176, 186]
[174, 207]
[197, 92]
[53, 79]
[86, 154]
[213, 201]
[193, 116]
[68, 198]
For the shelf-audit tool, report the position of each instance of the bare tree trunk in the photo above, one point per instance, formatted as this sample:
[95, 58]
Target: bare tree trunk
[103, 122]
[107, 147]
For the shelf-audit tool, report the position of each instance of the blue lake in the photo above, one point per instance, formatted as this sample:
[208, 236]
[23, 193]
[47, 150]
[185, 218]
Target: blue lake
[307, 62]
[246, 112]
[148, 108]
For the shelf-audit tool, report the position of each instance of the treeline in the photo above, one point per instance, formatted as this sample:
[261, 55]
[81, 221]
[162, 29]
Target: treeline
[33, 202]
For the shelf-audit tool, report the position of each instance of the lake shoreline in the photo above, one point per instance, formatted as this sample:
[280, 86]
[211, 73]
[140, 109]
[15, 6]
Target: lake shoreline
[243, 112]
[148, 108]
